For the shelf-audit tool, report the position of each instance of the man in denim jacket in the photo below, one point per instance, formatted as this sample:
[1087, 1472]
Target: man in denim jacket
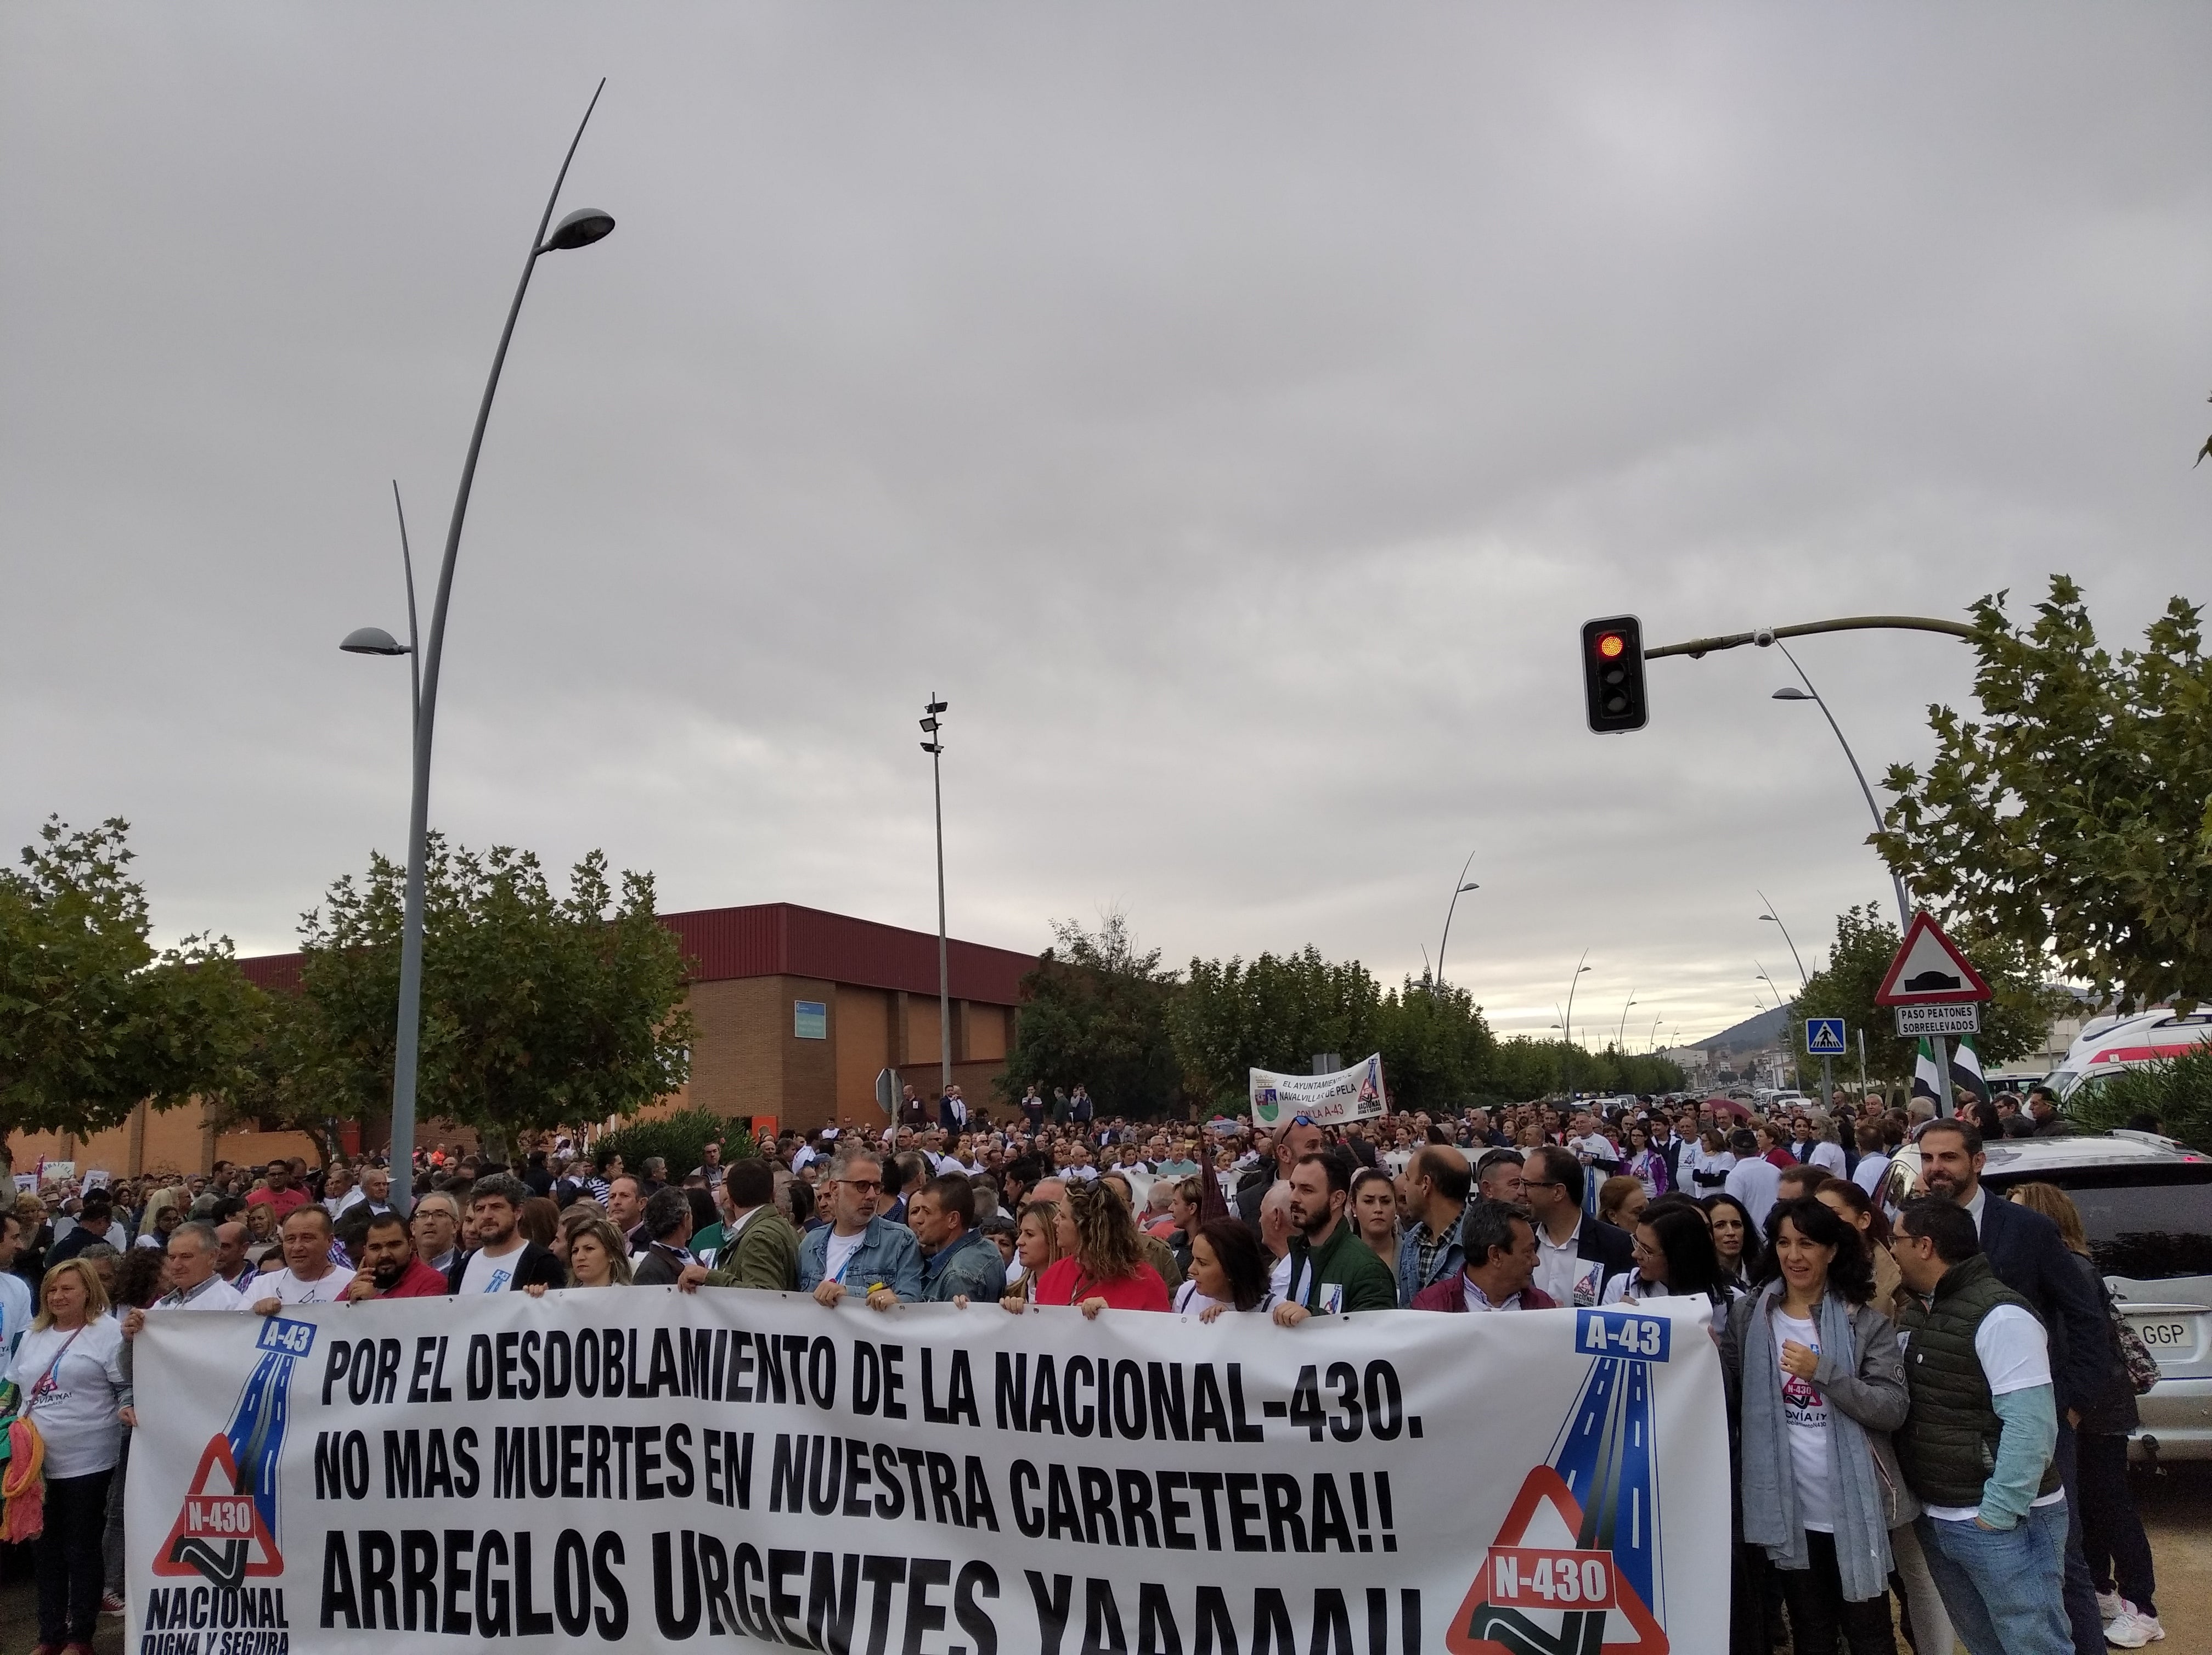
[857, 1251]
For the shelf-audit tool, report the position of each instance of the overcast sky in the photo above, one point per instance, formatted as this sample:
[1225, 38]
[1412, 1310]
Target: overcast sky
[1233, 410]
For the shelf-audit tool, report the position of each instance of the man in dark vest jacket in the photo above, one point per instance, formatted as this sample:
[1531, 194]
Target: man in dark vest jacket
[1976, 1447]
[2024, 1249]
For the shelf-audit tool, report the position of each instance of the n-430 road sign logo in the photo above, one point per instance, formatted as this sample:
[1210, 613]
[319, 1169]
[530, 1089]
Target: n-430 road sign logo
[1823, 1036]
[1575, 1569]
[225, 1531]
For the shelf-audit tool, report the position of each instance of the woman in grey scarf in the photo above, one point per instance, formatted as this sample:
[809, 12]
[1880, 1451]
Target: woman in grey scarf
[1822, 1385]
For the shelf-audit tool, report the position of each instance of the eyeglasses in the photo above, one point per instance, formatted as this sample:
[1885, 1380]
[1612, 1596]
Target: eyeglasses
[1304, 1120]
[865, 1186]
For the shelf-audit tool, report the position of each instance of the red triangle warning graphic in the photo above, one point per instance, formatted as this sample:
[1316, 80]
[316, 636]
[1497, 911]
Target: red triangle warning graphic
[1538, 1588]
[1930, 971]
[219, 1534]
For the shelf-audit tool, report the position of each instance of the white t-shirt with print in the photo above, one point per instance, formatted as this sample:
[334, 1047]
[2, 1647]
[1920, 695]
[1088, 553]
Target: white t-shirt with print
[1805, 1418]
[839, 1253]
[328, 1288]
[487, 1274]
[74, 1401]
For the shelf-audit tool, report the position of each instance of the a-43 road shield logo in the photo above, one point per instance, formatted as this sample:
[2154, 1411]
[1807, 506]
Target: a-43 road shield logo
[226, 1529]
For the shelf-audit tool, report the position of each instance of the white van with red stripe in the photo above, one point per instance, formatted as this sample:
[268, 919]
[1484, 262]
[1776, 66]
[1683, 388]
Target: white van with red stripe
[2108, 1046]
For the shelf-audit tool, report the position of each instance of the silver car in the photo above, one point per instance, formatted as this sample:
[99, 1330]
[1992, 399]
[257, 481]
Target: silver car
[2146, 1204]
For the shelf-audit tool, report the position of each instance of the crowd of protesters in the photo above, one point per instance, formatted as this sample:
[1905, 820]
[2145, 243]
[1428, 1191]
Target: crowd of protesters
[1927, 1401]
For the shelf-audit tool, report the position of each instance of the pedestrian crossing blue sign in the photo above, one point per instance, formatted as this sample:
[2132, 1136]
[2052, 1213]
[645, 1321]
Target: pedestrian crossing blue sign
[1823, 1036]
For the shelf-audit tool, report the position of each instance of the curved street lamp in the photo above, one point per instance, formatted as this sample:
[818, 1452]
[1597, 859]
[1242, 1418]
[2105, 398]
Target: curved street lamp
[579, 229]
[1459, 889]
[1790, 692]
[1770, 915]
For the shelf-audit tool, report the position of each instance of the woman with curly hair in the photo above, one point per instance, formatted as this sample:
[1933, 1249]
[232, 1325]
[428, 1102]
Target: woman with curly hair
[1102, 1266]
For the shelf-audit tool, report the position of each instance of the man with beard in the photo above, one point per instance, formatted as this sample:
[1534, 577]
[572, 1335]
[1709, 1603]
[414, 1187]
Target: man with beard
[502, 1260]
[1333, 1271]
[389, 1267]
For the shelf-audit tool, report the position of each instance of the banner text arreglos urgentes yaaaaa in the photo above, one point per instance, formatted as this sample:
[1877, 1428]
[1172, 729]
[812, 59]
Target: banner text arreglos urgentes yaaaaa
[642, 1469]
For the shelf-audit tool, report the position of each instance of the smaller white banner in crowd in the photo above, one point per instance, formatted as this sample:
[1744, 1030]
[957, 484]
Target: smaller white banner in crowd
[1353, 1094]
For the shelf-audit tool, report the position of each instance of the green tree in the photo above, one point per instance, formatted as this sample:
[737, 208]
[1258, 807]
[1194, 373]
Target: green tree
[680, 1139]
[1272, 1012]
[2014, 1023]
[2074, 819]
[537, 1011]
[1095, 1010]
[1436, 1046]
[93, 1019]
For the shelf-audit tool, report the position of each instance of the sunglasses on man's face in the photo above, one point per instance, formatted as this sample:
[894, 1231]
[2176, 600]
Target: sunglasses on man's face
[865, 1186]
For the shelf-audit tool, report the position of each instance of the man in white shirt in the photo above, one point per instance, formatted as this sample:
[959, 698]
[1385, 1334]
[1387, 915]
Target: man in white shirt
[15, 1310]
[194, 1284]
[1824, 1152]
[1753, 1181]
[308, 1276]
[1576, 1254]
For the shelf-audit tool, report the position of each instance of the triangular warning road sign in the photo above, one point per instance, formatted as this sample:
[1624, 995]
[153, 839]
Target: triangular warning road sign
[218, 1534]
[1930, 971]
[1630, 1628]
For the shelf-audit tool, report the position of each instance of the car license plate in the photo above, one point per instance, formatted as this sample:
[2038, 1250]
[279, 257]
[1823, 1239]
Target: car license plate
[2165, 1337]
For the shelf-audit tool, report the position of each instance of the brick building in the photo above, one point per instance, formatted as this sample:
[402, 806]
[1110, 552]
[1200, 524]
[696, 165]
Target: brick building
[797, 1011]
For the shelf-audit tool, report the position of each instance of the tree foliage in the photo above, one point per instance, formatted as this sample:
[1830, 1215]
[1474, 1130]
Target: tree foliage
[2074, 819]
[680, 1140]
[1272, 1013]
[93, 1019]
[1095, 1011]
[2177, 1093]
[537, 1011]
[2012, 1022]
[1520, 1070]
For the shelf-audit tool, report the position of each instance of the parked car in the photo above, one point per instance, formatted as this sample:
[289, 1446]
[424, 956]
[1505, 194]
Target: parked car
[2146, 1205]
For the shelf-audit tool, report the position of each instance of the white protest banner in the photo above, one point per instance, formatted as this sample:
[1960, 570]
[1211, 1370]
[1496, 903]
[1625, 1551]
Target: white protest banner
[1353, 1094]
[638, 1469]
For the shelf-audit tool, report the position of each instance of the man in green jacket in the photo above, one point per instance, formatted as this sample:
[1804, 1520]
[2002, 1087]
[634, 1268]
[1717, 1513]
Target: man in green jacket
[760, 1248]
[1332, 1270]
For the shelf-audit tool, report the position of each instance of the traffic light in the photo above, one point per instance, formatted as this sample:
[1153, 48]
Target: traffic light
[1612, 674]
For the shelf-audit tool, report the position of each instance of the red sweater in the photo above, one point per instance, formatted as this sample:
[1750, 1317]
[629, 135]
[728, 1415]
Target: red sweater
[1059, 1284]
[1450, 1295]
[420, 1281]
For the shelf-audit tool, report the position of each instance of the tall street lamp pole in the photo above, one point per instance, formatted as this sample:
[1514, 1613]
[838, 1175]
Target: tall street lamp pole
[579, 229]
[1620, 1034]
[1808, 693]
[933, 727]
[1460, 888]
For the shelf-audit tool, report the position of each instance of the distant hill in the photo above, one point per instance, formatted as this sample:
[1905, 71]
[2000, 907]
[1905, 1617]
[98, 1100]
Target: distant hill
[1755, 1033]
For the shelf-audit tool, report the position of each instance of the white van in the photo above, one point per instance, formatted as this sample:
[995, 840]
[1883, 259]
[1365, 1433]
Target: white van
[2108, 1046]
[2146, 1206]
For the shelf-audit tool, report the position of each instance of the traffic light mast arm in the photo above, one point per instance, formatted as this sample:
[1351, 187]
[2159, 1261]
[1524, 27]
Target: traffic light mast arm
[1697, 648]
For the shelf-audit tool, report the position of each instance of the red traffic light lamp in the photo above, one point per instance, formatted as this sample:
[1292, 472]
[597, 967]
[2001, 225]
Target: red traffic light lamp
[1612, 674]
